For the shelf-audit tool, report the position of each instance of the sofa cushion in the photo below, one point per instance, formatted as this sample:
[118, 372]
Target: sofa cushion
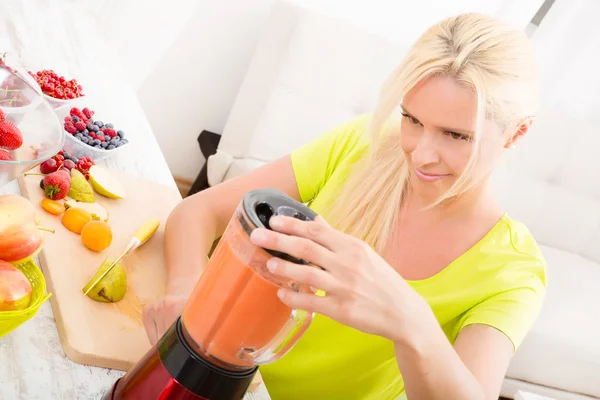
[562, 350]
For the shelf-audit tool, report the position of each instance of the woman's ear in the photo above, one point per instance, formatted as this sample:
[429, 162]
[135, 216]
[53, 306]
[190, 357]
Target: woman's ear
[521, 131]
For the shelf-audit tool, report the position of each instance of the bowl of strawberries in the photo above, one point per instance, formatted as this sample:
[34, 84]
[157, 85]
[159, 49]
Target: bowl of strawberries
[30, 131]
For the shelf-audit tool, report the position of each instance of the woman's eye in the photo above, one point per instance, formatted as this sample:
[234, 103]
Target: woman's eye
[412, 120]
[458, 136]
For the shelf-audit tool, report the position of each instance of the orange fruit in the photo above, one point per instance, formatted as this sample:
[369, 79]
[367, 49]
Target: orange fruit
[53, 206]
[74, 219]
[96, 235]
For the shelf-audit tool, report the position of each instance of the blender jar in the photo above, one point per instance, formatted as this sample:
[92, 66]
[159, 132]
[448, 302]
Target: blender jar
[233, 317]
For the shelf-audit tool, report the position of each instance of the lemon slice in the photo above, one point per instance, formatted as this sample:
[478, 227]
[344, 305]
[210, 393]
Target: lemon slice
[105, 183]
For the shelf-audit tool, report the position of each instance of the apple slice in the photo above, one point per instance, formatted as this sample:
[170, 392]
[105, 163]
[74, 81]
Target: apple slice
[97, 210]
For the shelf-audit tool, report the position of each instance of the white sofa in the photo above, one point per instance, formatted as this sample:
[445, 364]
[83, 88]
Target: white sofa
[311, 72]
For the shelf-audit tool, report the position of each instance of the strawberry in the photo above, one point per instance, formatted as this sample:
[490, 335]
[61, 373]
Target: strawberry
[10, 136]
[5, 155]
[57, 185]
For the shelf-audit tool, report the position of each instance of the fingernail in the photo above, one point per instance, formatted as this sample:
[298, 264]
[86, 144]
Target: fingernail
[272, 264]
[276, 222]
[257, 235]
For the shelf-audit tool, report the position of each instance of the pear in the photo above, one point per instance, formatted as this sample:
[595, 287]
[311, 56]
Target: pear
[80, 188]
[97, 210]
[112, 287]
[106, 183]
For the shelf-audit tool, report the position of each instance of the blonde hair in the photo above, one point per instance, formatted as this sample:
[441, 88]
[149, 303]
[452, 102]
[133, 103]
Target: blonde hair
[493, 59]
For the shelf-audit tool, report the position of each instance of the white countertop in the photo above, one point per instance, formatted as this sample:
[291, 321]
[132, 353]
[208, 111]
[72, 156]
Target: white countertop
[33, 364]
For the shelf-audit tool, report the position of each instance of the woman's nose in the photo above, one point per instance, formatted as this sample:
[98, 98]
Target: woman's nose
[426, 151]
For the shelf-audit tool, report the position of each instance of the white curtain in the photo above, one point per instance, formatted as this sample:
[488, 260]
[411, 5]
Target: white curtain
[568, 47]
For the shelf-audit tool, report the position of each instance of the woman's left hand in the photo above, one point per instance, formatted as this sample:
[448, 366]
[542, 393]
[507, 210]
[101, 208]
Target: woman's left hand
[362, 290]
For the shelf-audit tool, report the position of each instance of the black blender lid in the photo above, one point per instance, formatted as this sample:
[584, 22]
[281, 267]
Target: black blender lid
[262, 204]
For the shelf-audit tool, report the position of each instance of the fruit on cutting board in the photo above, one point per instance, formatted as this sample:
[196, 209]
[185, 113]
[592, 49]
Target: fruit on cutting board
[97, 210]
[74, 219]
[80, 188]
[20, 237]
[15, 288]
[53, 207]
[112, 287]
[105, 183]
[57, 185]
[96, 235]
[10, 136]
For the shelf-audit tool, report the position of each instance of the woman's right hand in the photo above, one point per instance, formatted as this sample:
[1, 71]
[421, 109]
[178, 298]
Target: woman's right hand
[161, 314]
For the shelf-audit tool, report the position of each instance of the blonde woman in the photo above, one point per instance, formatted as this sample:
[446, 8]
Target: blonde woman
[430, 286]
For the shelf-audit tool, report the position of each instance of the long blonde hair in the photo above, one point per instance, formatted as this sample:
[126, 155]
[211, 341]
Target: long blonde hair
[493, 59]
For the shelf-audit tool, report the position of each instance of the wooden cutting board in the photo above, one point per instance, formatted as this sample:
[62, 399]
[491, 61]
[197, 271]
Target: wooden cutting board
[107, 335]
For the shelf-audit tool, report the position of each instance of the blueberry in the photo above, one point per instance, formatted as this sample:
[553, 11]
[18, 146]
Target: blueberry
[90, 127]
[95, 128]
[79, 136]
[124, 141]
[97, 142]
[111, 147]
[121, 134]
[85, 140]
[91, 119]
[42, 183]
[104, 145]
[75, 160]
[75, 119]
[109, 125]
[66, 155]
[97, 146]
[114, 140]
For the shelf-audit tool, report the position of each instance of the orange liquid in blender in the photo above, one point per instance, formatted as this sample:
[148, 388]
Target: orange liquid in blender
[232, 307]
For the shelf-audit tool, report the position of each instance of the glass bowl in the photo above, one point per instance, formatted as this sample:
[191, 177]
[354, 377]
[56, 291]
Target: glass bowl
[27, 113]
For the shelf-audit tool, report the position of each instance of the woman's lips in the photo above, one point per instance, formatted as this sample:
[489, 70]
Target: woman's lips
[428, 177]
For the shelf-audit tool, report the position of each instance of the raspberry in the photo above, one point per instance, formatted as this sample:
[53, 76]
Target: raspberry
[76, 111]
[80, 126]
[110, 132]
[68, 118]
[69, 127]
[88, 113]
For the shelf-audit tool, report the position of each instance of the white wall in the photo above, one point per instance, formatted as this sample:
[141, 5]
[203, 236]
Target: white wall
[195, 83]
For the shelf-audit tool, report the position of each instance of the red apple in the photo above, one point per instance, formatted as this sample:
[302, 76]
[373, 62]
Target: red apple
[20, 237]
[15, 288]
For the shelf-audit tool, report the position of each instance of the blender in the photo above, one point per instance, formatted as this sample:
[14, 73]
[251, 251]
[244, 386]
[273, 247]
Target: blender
[233, 320]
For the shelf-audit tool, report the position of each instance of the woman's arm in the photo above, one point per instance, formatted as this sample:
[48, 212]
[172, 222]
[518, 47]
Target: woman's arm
[473, 369]
[191, 230]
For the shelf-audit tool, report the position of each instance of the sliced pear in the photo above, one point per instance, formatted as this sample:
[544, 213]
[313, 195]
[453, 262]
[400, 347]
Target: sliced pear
[80, 188]
[105, 183]
[97, 210]
[112, 287]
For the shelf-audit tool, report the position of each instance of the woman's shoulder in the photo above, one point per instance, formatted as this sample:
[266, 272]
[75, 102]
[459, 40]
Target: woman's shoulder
[514, 250]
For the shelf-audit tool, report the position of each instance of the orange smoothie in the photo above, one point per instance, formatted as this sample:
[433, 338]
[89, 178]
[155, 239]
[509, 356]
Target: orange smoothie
[232, 307]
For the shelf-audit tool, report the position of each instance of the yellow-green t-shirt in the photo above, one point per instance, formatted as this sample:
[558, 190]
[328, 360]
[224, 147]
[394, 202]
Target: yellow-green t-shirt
[500, 282]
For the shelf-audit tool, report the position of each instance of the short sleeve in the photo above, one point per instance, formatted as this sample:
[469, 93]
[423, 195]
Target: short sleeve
[512, 312]
[315, 162]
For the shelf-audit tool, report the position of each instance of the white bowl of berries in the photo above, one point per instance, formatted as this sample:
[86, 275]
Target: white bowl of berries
[58, 90]
[87, 136]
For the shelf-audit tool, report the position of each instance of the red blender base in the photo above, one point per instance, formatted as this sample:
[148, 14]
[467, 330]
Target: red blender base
[171, 370]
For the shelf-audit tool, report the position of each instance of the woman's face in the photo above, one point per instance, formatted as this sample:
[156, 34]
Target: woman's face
[438, 124]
